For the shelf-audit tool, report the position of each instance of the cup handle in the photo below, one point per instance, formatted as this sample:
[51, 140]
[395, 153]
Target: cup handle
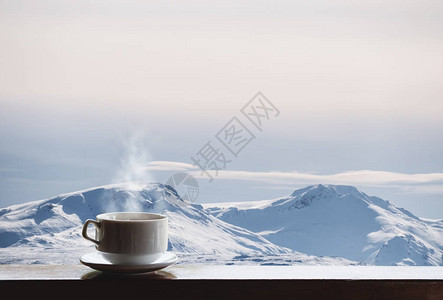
[85, 230]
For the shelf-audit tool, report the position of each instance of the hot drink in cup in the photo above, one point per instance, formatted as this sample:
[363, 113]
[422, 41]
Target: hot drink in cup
[131, 238]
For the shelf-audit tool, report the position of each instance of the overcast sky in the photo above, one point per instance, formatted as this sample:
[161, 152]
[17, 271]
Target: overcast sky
[90, 90]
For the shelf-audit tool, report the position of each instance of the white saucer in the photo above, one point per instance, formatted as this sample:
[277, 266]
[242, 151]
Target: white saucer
[96, 261]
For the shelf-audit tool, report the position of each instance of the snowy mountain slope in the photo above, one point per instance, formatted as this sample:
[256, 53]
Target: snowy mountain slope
[329, 220]
[57, 222]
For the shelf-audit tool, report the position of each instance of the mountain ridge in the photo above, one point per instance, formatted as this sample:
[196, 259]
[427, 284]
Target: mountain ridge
[338, 220]
[321, 224]
[54, 225]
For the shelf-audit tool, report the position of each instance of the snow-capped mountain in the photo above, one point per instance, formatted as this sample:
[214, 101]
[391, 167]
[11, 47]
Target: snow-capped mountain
[57, 222]
[48, 231]
[330, 220]
[331, 224]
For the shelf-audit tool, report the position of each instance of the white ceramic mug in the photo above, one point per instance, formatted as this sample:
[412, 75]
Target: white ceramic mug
[129, 237]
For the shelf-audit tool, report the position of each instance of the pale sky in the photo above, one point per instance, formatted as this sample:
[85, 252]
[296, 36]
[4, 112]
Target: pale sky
[358, 85]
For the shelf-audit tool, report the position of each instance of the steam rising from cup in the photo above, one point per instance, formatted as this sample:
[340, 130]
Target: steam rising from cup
[134, 160]
[132, 172]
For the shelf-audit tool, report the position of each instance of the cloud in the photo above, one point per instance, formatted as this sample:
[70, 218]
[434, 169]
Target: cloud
[420, 183]
[357, 177]
[169, 166]
[360, 177]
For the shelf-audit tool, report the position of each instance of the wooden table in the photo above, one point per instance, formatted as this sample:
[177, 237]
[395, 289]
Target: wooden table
[225, 282]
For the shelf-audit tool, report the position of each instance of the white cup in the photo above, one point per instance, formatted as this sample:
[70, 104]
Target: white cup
[131, 238]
